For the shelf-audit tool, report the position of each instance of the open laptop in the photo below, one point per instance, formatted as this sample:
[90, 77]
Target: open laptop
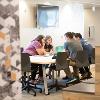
[58, 49]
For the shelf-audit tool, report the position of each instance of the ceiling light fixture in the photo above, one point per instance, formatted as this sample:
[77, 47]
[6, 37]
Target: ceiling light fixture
[93, 8]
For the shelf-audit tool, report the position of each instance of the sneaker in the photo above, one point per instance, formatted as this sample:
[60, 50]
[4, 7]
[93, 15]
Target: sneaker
[71, 80]
[89, 75]
[65, 78]
[84, 76]
[77, 79]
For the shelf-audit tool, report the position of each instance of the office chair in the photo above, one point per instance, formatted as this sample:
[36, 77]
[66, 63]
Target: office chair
[92, 60]
[61, 64]
[82, 59]
[26, 69]
[93, 56]
[21, 49]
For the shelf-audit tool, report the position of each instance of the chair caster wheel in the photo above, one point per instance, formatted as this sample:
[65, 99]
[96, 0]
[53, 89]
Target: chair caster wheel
[40, 91]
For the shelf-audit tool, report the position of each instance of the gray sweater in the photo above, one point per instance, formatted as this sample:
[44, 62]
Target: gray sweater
[73, 46]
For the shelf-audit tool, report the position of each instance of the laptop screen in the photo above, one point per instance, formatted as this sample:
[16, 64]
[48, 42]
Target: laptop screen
[59, 49]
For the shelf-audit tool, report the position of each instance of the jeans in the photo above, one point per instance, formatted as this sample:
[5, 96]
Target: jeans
[35, 68]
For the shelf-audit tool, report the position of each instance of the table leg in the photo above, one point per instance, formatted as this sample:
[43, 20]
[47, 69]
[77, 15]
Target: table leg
[45, 79]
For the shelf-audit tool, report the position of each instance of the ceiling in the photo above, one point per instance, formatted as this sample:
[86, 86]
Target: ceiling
[86, 3]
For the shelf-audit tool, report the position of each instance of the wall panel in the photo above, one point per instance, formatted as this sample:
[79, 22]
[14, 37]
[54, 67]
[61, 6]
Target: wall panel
[9, 47]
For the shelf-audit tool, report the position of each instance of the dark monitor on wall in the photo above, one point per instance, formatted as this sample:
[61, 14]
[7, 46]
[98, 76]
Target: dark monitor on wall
[47, 16]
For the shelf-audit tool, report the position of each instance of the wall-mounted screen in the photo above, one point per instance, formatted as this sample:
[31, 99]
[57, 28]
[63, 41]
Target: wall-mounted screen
[47, 16]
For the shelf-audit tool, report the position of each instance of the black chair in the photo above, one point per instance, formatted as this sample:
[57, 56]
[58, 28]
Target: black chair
[82, 59]
[21, 49]
[93, 56]
[61, 64]
[26, 69]
[92, 60]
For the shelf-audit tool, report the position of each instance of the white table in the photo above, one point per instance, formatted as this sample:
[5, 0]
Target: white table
[37, 59]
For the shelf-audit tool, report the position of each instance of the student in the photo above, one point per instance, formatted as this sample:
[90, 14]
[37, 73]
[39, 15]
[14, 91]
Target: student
[85, 72]
[48, 44]
[49, 48]
[36, 47]
[72, 46]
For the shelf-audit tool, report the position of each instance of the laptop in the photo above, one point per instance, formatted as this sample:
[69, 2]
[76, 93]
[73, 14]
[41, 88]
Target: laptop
[58, 49]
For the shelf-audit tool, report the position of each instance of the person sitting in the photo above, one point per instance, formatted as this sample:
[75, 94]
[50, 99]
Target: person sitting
[48, 44]
[72, 46]
[49, 48]
[36, 47]
[85, 72]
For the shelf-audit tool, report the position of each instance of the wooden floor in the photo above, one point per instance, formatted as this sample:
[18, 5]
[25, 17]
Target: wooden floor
[83, 96]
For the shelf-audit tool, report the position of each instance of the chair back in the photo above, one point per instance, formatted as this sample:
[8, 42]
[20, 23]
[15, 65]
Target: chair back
[21, 49]
[93, 56]
[61, 61]
[82, 59]
[25, 63]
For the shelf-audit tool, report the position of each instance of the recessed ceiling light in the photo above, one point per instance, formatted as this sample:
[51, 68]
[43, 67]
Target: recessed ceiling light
[93, 8]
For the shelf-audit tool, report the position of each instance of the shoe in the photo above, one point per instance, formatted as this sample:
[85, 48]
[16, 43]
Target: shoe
[84, 76]
[89, 75]
[77, 79]
[65, 78]
[72, 79]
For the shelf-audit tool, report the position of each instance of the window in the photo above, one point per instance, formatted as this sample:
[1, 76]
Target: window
[47, 16]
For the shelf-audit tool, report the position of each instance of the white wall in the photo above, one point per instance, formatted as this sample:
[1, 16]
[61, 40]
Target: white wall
[71, 18]
[92, 19]
[27, 14]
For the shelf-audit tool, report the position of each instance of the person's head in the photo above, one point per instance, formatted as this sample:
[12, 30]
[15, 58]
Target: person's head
[73, 33]
[78, 36]
[41, 39]
[48, 39]
[69, 35]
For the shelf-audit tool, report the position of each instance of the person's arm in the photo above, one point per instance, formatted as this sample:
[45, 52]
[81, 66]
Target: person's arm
[41, 51]
[52, 50]
[65, 46]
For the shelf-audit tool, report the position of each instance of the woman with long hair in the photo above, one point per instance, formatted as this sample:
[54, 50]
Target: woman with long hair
[36, 47]
[48, 44]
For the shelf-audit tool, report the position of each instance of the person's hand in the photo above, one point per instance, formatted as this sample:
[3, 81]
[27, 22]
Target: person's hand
[51, 52]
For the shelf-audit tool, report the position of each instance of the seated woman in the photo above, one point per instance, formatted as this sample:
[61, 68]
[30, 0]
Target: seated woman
[49, 48]
[48, 44]
[36, 47]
